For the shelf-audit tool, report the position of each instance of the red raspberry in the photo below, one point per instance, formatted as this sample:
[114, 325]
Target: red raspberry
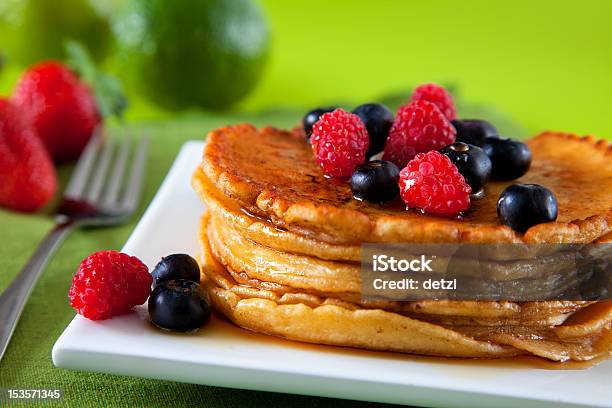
[437, 95]
[432, 183]
[109, 283]
[418, 128]
[340, 142]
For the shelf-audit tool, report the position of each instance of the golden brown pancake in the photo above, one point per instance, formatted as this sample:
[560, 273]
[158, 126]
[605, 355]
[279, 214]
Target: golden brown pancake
[298, 271]
[520, 280]
[259, 267]
[307, 318]
[334, 322]
[280, 246]
[265, 232]
[283, 183]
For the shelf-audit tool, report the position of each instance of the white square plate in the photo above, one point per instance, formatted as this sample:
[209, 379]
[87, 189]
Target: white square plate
[224, 355]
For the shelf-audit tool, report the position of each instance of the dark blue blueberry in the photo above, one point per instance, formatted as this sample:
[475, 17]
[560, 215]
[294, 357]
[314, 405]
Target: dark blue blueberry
[521, 206]
[473, 131]
[311, 118]
[179, 305]
[176, 266]
[473, 164]
[377, 119]
[375, 181]
[510, 158]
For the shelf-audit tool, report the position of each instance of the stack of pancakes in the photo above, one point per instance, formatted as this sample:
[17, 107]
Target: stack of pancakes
[281, 251]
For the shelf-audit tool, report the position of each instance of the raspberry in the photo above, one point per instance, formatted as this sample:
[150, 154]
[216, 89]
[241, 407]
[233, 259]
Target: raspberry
[340, 142]
[437, 95]
[432, 183]
[418, 128]
[109, 283]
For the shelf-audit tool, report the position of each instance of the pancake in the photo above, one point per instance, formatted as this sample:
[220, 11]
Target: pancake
[330, 323]
[281, 245]
[265, 232]
[283, 183]
[520, 280]
[270, 265]
[339, 323]
[277, 279]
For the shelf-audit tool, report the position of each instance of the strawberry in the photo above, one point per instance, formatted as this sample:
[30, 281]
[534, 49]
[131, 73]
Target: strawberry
[27, 174]
[62, 108]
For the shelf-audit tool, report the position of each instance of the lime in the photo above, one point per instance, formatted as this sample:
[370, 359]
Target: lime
[192, 53]
[33, 30]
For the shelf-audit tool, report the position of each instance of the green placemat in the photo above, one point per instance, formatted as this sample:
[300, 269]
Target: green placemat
[27, 362]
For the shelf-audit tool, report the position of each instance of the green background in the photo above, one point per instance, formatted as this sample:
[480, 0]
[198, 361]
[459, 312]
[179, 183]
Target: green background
[547, 65]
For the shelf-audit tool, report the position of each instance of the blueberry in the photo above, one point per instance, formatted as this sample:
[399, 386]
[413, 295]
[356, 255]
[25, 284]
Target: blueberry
[176, 266]
[377, 119]
[510, 158]
[311, 118]
[473, 164]
[473, 131]
[179, 305]
[521, 206]
[375, 181]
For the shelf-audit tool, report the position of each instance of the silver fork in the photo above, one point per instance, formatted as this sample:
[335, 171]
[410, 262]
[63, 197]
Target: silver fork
[99, 194]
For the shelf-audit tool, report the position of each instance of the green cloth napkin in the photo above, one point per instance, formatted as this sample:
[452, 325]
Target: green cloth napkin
[27, 362]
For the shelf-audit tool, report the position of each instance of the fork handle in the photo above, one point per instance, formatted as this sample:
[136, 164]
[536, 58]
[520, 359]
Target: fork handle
[15, 297]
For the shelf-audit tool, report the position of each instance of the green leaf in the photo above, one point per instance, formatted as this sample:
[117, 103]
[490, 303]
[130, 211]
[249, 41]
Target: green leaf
[107, 89]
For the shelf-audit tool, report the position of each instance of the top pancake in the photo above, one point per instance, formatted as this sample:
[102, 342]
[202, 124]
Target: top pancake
[273, 174]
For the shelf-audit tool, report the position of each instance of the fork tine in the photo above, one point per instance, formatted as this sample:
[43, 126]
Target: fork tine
[81, 171]
[134, 187]
[99, 173]
[112, 189]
